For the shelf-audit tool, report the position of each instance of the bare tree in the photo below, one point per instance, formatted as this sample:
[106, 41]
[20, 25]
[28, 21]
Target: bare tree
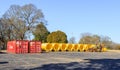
[96, 39]
[18, 21]
[3, 35]
[72, 40]
[107, 42]
[88, 38]
[22, 19]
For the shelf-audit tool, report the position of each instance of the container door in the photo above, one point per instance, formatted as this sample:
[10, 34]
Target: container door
[32, 47]
[24, 46]
[38, 47]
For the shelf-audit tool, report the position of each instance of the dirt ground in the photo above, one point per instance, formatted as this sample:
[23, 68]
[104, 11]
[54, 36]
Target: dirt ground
[61, 61]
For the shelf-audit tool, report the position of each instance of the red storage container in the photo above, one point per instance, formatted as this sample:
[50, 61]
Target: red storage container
[17, 46]
[34, 47]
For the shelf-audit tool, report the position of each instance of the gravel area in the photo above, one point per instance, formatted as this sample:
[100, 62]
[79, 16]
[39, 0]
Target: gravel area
[61, 61]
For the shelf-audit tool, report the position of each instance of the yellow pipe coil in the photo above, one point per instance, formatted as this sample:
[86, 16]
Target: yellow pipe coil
[47, 47]
[80, 47]
[68, 47]
[75, 47]
[55, 46]
[63, 47]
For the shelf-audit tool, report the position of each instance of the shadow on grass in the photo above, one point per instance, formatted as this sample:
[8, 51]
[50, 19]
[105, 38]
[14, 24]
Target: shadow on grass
[91, 64]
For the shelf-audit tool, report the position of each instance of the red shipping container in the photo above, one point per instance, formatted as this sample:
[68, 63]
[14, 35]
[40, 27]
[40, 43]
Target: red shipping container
[17, 46]
[34, 47]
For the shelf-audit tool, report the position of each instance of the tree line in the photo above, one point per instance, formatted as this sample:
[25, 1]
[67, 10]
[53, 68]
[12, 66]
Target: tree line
[20, 22]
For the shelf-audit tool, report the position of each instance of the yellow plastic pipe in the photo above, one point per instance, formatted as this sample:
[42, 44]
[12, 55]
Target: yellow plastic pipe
[63, 47]
[104, 49]
[47, 47]
[75, 47]
[85, 47]
[92, 46]
[88, 47]
[43, 46]
[80, 47]
[69, 47]
[55, 46]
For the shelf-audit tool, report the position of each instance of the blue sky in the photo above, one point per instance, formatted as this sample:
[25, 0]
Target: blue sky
[74, 17]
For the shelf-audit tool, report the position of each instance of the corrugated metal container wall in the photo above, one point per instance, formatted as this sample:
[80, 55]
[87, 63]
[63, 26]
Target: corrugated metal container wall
[17, 46]
[10, 47]
[34, 47]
